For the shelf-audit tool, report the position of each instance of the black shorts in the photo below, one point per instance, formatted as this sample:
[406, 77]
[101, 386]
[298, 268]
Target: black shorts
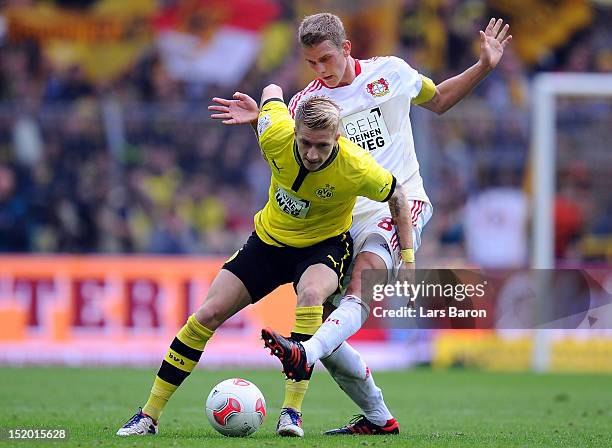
[262, 268]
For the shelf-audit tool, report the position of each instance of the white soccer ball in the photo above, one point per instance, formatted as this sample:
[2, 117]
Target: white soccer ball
[236, 407]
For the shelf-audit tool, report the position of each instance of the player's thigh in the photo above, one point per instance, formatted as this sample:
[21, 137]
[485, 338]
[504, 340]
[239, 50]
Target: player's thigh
[227, 295]
[317, 283]
[261, 267]
[312, 279]
[380, 237]
[378, 234]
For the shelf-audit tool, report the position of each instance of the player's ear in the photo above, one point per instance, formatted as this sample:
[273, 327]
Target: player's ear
[346, 48]
[337, 136]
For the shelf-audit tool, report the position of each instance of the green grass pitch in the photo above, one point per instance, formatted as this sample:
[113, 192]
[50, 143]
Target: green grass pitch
[446, 409]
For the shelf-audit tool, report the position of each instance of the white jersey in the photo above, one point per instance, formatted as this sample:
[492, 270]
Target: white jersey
[375, 111]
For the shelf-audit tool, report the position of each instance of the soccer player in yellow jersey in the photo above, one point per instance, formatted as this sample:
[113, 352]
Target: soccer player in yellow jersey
[301, 235]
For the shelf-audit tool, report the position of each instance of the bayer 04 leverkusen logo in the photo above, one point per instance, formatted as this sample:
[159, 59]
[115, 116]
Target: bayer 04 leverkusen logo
[379, 87]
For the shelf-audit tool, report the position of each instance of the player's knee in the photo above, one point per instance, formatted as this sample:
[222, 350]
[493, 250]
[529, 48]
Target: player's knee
[310, 296]
[210, 315]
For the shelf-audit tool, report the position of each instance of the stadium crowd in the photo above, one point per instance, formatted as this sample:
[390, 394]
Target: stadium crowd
[178, 183]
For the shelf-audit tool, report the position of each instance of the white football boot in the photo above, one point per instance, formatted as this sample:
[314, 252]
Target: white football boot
[290, 423]
[139, 425]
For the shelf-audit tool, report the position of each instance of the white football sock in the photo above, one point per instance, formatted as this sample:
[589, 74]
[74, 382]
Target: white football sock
[341, 324]
[350, 371]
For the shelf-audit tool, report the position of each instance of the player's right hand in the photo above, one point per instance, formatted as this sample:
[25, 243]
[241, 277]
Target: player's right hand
[241, 110]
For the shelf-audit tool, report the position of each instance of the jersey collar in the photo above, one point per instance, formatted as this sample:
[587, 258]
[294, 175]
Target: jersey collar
[357, 73]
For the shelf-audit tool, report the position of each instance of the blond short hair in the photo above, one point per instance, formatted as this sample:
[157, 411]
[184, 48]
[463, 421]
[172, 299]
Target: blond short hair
[318, 112]
[321, 27]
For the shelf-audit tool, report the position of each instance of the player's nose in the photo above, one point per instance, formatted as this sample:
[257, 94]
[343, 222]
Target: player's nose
[311, 155]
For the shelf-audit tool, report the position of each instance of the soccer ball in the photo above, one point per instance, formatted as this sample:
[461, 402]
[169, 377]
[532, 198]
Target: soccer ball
[236, 407]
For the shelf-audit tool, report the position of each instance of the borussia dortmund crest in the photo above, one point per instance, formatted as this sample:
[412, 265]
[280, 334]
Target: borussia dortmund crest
[325, 192]
[378, 88]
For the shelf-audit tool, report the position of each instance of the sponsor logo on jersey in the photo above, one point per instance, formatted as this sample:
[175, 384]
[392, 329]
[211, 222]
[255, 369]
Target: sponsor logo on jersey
[292, 205]
[368, 129]
[379, 87]
[325, 192]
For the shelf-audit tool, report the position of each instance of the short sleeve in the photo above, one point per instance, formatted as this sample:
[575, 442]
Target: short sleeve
[427, 92]
[274, 126]
[410, 78]
[378, 183]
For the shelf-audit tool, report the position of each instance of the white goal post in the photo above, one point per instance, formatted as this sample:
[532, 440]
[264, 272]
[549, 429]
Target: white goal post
[547, 87]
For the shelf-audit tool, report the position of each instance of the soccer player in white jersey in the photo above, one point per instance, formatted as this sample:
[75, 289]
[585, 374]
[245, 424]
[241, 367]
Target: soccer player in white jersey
[375, 96]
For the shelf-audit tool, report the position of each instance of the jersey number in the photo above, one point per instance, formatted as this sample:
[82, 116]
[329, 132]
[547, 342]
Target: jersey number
[386, 224]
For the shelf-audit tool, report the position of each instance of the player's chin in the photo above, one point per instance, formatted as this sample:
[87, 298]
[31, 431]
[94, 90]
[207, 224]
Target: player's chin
[331, 81]
[312, 166]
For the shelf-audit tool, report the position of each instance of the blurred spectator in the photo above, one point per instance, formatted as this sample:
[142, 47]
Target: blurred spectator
[172, 235]
[496, 228]
[14, 214]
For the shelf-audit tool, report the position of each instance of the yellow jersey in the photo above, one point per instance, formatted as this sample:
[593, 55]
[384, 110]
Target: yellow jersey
[306, 207]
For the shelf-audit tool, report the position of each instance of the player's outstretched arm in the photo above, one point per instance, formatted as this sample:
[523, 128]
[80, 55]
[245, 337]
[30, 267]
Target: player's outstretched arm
[493, 40]
[241, 110]
[402, 218]
[271, 91]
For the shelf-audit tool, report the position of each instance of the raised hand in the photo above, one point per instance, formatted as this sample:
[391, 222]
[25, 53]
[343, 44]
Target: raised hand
[241, 110]
[493, 40]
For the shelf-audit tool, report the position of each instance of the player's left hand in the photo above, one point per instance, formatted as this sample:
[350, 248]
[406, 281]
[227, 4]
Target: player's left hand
[493, 40]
